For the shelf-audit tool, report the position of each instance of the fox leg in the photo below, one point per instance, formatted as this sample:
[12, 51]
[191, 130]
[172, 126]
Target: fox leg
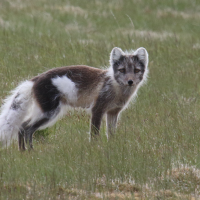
[27, 131]
[32, 128]
[98, 111]
[111, 121]
[21, 135]
[96, 123]
[21, 141]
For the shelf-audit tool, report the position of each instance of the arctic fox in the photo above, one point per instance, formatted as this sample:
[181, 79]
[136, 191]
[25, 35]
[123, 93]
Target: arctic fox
[38, 103]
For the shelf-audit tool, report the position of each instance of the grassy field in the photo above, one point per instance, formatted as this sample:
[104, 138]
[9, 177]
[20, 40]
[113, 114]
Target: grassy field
[155, 153]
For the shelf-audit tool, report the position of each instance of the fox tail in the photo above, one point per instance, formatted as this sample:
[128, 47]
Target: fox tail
[13, 112]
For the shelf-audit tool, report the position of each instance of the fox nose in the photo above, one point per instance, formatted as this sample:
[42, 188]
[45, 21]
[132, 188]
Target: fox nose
[130, 82]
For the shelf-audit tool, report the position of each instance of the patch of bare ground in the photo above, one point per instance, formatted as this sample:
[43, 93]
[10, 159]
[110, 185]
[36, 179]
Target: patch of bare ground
[185, 179]
[12, 188]
[185, 15]
[117, 189]
[184, 184]
[104, 190]
[74, 193]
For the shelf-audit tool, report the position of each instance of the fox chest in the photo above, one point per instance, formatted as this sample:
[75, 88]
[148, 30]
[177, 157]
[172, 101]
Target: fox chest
[118, 100]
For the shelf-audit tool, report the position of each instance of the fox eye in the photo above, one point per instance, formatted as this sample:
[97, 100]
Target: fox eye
[122, 70]
[137, 70]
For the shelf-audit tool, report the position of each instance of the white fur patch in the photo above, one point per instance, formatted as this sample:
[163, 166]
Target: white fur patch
[11, 118]
[34, 112]
[66, 87]
[62, 111]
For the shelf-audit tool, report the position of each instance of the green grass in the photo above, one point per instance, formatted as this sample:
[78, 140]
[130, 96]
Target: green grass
[155, 153]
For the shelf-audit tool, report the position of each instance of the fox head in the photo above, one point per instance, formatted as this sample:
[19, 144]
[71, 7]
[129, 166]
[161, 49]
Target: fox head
[130, 68]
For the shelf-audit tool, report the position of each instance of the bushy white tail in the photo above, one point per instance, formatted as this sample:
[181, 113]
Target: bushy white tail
[13, 112]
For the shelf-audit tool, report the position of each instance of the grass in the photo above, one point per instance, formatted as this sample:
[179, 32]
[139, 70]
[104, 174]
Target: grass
[155, 153]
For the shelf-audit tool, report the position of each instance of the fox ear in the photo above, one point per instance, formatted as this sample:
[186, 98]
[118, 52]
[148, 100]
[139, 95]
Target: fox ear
[115, 55]
[142, 55]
